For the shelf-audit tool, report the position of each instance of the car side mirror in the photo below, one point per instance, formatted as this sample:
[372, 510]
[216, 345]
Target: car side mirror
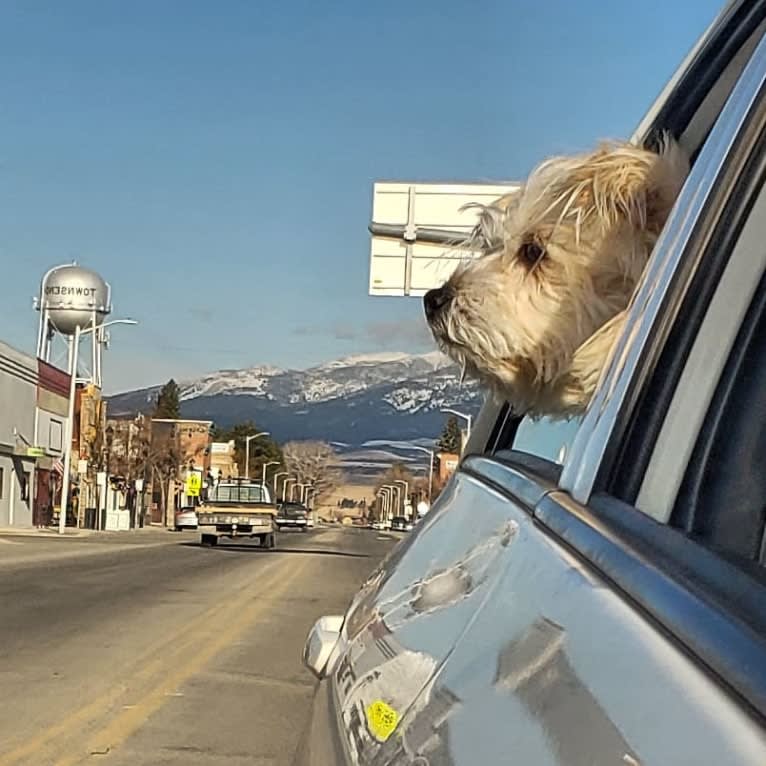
[321, 641]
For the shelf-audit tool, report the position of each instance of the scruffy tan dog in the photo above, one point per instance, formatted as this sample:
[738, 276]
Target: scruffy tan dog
[536, 316]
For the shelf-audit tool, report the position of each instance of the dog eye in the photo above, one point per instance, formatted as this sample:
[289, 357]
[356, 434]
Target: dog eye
[530, 253]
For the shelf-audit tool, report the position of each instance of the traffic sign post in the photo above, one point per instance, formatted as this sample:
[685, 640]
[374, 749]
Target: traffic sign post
[193, 484]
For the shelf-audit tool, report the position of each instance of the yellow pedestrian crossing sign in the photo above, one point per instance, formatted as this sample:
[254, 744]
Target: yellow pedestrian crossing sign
[193, 484]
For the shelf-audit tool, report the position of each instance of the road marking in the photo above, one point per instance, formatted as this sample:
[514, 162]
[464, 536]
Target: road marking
[127, 722]
[200, 639]
[9, 542]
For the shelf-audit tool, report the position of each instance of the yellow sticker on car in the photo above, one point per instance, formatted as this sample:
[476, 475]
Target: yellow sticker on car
[381, 720]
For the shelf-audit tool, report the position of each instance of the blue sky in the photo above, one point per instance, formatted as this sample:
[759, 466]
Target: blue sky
[214, 160]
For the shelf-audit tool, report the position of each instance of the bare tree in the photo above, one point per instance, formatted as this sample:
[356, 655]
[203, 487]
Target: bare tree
[313, 462]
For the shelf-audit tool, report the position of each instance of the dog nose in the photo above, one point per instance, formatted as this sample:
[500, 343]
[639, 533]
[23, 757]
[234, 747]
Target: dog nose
[435, 300]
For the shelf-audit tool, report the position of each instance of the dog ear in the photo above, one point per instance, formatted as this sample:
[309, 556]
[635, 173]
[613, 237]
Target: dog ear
[623, 181]
[668, 174]
[589, 366]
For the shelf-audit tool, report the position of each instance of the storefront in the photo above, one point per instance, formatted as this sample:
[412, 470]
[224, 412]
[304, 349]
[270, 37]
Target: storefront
[50, 434]
[18, 392]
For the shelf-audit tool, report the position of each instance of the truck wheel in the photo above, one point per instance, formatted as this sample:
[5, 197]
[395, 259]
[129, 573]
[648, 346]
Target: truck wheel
[209, 540]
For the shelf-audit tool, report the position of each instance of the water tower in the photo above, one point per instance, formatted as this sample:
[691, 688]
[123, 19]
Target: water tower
[71, 297]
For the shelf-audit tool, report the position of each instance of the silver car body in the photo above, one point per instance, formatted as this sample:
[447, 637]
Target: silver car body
[558, 608]
[186, 518]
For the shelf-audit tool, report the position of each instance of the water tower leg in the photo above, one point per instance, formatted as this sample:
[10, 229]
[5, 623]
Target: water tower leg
[93, 346]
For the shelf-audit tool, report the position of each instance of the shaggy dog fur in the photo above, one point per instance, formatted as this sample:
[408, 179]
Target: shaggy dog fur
[536, 315]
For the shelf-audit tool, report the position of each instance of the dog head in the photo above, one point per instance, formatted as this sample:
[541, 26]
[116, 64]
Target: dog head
[573, 243]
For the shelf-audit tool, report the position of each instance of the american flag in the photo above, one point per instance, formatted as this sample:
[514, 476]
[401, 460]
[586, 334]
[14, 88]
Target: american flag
[58, 467]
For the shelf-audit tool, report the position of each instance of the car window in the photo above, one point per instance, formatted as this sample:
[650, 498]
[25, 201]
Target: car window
[722, 499]
[546, 438]
[703, 357]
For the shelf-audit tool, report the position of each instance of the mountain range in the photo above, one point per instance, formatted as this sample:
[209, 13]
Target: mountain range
[348, 401]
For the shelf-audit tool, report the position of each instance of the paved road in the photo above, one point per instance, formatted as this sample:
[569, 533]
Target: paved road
[148, 650]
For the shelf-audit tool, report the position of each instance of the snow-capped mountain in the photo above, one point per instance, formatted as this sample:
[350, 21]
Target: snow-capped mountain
[352, 400]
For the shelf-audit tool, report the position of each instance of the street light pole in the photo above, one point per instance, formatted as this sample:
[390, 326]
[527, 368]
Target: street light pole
[265, 466]
[395, 488]
[78, 333]
[276, 478]
[406, 492]
[69, 431]
[431, 471]
[386, 501]
[248, 439]
[302, 487]
[287, 481]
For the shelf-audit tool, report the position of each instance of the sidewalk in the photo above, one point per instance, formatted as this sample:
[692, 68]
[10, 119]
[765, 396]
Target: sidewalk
[73, 532]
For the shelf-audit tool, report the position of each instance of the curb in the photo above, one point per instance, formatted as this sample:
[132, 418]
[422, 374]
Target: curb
[54, 533]
[33, 532]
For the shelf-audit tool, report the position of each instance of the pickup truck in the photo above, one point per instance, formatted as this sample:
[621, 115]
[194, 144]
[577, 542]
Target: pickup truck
[238, 508]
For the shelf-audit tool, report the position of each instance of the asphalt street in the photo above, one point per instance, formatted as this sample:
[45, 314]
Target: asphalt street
[145, 648]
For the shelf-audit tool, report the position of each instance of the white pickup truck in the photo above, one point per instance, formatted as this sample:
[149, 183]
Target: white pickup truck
[238, 508]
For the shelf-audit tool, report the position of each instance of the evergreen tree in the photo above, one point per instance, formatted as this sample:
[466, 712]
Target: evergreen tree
[451, 438]
[168, 401]
[262, 450]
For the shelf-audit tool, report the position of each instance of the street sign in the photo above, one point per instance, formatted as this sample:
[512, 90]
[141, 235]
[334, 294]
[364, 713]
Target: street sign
[139, 485]
[82, 467]
[193, 484]
[415, 229]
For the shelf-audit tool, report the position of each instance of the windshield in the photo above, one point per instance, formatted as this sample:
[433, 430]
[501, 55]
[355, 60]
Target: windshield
[236, 493]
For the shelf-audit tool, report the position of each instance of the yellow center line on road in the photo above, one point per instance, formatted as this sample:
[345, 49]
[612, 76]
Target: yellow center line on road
[148, 688]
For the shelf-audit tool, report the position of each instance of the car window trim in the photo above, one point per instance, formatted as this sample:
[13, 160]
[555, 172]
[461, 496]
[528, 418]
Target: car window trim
[664, 286]
[523, 478]
[684, 589]
[643, 433]
[691, 500]
[721, 307]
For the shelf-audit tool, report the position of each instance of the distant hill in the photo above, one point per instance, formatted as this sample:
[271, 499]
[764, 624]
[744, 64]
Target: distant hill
[386, 396]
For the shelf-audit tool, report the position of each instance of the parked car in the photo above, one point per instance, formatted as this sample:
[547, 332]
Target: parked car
[401, 524]
[185, 518]
[594, 592]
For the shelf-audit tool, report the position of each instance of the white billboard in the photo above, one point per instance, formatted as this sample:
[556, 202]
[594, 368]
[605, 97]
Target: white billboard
[413, 226]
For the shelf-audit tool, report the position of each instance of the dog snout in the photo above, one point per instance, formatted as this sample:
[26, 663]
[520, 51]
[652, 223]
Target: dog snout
[436, 300]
